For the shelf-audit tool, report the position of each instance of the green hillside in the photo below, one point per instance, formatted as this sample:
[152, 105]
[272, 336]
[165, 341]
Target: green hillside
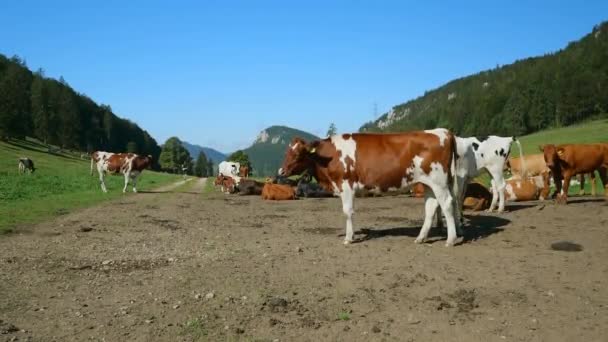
[554, 90]
[267, 152]
[587, 132]
[62, 182]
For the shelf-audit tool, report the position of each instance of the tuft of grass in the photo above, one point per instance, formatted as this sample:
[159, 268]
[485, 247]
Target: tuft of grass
[343, 316]
[60, 184]
[194, 328]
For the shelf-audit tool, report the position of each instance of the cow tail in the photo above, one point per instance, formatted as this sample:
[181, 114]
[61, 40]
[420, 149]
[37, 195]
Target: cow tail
[92, 161]
[454, 158]
[523, 170]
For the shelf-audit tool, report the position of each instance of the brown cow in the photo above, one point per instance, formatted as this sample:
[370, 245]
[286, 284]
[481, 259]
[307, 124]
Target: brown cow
[244, 171]
[418, 190]
[277, 192]
[348, 162]
[129, 164]
[568, 160]
[477, 197]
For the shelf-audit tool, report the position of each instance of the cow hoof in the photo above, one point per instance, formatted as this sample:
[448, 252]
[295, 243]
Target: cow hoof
[449, 244]
[419, 240]
[347, 242]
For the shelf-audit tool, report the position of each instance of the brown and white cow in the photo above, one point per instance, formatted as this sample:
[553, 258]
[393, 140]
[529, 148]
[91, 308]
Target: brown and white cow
[277, 192]
[528, 189]
[348, 162]
[129, 164]
[568, 160]
[535, 166]
[477, 197]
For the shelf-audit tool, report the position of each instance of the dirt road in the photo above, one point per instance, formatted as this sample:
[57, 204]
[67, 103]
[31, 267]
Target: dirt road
[184, 266]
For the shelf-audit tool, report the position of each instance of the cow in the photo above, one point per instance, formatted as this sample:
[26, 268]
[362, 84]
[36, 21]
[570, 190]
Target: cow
[311, 190]
[568, 160]
[490, 153]
[477, 197]
[249, 187]
[348, 162]
[227, 184]
[418, 190]
[229, 169]
[535, 166]
[528, 189]
[130, 165]
[284, 180]
[244, 171]
[277, 192]
[26, 165]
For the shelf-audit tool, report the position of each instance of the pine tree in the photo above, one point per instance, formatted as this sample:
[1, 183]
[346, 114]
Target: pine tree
[332, 130]
[173, 156]
[240, 157]
[200, 167]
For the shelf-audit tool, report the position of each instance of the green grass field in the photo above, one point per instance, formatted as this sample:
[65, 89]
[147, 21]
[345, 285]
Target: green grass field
[61, 183]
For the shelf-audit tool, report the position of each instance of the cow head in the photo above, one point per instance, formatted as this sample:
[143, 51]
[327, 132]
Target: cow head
[297, 158]
[552, 154]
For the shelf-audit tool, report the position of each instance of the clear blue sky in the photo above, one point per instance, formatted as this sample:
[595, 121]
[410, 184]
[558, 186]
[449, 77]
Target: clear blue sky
[217, 72]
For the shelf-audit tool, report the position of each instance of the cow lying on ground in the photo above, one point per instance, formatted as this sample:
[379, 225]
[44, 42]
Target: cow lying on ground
[229, 169]
[477, 197]
[568, 160]
[277, 192]
[26, 165]
[129, 164]
[528, 189]
[535, 166]
[347, 162]
[227, 184]
[312, 190]
[283, 180]
[249, 187]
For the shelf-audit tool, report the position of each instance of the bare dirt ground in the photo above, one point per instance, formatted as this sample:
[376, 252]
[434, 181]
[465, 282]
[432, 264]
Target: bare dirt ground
[183, 266]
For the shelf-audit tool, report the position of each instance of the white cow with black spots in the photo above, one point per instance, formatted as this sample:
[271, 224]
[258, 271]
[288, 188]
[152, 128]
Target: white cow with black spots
[489, 153]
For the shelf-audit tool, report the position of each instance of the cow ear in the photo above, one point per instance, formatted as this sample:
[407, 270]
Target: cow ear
[560, 151]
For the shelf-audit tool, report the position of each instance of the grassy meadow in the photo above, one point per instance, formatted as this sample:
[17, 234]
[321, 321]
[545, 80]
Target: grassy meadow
[61, 183]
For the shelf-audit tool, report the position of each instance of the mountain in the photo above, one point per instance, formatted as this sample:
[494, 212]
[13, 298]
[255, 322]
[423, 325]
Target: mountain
[553, 90]
[194, 150]
[267, 152]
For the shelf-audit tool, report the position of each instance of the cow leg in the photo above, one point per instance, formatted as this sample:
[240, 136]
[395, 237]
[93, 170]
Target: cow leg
[546, 187]
[430, 209]
[134, 181]
[102, 181]
[499, 186]
[562, 198]
[494, 196]
[446, 202]
[592, 180]
[581, 179]
[604, 178]
[127, 176]
[348, 197]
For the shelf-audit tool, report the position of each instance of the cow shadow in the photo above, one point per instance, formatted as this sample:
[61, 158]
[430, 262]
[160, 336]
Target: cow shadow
[520, 206]
[478, 227]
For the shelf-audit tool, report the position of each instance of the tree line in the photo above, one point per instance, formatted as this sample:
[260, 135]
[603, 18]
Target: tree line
[34, 105]
[529, 95]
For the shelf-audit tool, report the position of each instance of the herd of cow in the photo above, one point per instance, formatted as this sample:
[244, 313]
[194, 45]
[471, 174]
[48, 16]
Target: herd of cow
[436, 164]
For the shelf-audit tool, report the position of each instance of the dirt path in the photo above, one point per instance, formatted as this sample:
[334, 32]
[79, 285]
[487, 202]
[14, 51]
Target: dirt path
[184, 266]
